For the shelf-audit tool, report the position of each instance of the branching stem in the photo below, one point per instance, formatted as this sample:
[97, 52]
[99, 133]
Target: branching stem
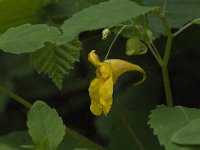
[165, 73]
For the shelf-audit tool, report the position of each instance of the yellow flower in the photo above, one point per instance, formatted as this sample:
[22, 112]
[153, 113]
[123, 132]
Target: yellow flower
[101, 87]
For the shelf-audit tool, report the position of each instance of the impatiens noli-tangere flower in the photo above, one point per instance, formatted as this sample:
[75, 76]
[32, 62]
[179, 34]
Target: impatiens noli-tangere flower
[101, 87]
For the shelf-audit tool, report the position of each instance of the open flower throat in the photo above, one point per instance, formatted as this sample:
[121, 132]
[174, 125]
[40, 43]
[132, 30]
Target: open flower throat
[101, 87]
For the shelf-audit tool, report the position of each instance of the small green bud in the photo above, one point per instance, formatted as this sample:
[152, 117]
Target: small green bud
[105, 33]
[135, 47]
[150, 36]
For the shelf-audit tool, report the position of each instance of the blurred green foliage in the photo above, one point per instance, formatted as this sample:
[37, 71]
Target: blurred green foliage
[126, 126]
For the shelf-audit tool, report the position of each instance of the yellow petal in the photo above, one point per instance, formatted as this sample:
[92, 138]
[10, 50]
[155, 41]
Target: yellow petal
[94, 95]
[105, 94]
[94, 58]
[95, 108]
[120, 66]
[104, 71]
[101, 91]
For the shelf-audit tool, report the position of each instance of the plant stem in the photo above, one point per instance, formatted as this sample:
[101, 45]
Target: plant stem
[182, 29]
[68, 130]
[164, 6]
[154, 47]
[165, 73]
[166, 81]
[16, 97]
[83, 139]
[111, 45]
[159, 60]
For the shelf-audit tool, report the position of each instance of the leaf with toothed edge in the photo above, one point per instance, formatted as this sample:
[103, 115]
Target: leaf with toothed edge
[166, 121]
[56, 61]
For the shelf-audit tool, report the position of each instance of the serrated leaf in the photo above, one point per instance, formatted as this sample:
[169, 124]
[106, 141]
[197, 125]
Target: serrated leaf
[14, 13]
[14, 140]
[27, 38]
[56, 61]
[106, 14]
[45, 126]
[167, 121]
[178, 12]
[189, 134]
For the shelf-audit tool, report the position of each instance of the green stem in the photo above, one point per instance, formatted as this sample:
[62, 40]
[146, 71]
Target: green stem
[165, 73]
[159, 60]
[158, 54]
[111, 45]
[183, 28]
[68, 130]
[164, 6]
[166, 81]
[83, 139]
[16, 97]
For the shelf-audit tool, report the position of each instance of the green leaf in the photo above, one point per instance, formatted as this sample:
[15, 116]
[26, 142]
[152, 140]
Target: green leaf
[167, 121]
[178, 12]
[66, 8]
[189, 134]
[27, 38]
[56, 61]
[14, 13]
[45, 126]
[106, 14]
[14, 140]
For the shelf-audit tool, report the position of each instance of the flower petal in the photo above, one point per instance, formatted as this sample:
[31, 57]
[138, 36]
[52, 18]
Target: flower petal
[101, 91]
[94, 95]
[104, 71]
[94, 58]
[95, 108]
[105, 93]
[120, 66]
